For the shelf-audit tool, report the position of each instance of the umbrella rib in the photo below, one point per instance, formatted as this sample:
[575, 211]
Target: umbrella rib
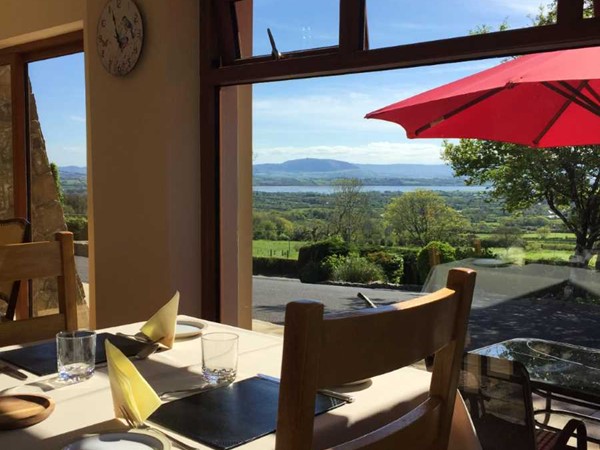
[593, 92]
[458, 110]
[594, 109]
[559, 113]
[577, 93]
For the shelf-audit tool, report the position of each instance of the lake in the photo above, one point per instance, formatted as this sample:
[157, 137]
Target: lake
[329, 189]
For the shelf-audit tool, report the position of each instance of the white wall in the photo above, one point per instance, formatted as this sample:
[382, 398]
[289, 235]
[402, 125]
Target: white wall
[29, 20]
[143, 141]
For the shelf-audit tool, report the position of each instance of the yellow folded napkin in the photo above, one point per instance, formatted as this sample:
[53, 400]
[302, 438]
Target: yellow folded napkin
[161, 326]
[129, 389]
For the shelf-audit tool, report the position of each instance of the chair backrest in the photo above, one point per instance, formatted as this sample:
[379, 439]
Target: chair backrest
[497, 393]
[41, 260]
[12, 231]
[329, 351]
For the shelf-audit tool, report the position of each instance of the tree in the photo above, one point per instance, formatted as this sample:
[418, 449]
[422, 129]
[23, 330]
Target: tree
[350, 209]
[57, 182]
[508, 236]
[423, 216]
[566, 178]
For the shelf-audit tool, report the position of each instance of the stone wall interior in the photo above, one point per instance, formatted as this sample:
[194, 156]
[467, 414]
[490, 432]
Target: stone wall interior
[6, 150]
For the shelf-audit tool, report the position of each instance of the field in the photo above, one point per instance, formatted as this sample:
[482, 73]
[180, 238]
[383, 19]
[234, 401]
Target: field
[276, 249]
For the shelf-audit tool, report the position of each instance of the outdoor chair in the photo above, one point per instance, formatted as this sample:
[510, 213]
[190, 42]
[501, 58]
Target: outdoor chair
[41, 260]
[12, 231]
[323, 351]
[497, 393]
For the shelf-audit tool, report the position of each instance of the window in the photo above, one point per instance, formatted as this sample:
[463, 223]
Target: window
[43, 142]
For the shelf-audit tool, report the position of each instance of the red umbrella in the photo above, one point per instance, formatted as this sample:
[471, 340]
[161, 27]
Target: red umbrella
[541, 100]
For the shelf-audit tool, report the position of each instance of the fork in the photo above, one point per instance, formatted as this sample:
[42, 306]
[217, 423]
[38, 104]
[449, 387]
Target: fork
[143, 426]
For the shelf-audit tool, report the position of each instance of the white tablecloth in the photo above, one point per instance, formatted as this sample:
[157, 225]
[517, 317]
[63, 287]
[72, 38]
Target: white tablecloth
[87, 407]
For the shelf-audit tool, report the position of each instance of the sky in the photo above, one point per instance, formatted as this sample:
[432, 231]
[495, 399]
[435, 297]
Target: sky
[318, 118]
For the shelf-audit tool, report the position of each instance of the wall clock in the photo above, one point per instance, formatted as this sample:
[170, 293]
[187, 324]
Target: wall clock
[119, 36]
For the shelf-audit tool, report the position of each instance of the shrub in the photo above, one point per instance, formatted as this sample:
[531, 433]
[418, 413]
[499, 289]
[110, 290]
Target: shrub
[411, 271]
[353, 268]
[469, 252]
[275, 267]
[78, 225]
[310, 258]
[391, 264]
[447, 254]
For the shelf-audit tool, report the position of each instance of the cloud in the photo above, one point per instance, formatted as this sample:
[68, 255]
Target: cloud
[518, 6]
[425, 152]
[77, 119]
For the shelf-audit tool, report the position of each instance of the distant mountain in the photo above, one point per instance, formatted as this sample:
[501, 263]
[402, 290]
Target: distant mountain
[73, 169]
[306, 165]
[409, 170]
[313, 168]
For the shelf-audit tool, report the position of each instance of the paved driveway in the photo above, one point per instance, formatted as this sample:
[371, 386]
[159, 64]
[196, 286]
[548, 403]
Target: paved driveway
[491, 320]
[270, 295]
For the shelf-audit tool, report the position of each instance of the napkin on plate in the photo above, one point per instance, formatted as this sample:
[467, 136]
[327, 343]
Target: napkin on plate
[129, 389]
[161, 326]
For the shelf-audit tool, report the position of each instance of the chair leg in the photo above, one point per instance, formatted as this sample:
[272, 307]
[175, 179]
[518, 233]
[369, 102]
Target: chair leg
[569, 430]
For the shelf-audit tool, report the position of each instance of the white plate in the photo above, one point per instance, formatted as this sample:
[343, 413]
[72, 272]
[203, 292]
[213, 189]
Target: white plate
[188, 329]
[133, 440]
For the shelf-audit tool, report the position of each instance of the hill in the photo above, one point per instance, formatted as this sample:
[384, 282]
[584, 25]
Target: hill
[73, 179]
[310, 171]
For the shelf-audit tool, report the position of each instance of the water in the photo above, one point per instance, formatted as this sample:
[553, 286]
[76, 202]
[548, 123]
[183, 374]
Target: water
[75, 372]
[330, 189]
[217, 376]
[75, 355]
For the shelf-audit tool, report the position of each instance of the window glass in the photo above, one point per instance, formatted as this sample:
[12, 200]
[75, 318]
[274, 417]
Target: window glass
[295, 25]
[396, 22]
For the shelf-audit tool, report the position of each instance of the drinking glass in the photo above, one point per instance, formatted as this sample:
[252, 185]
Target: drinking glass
[219, 357]
[75, 355]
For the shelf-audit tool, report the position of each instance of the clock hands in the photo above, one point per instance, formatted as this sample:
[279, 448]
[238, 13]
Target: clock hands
[121, 40]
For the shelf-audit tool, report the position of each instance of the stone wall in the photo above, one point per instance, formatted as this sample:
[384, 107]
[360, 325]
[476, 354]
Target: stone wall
[47, 215]
[6, 173]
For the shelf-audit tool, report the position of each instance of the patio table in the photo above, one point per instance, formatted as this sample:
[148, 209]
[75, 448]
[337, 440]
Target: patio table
[87, 407]
[558, 371]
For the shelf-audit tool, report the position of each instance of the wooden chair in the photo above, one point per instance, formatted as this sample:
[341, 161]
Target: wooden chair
[12, 231]
[321, 352]
[41, 260]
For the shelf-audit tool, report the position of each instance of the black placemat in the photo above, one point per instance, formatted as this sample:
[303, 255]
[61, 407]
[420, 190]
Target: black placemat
[229, 416]
[40, 359]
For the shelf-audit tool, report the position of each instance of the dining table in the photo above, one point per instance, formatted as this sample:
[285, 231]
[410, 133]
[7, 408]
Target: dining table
[86, 407]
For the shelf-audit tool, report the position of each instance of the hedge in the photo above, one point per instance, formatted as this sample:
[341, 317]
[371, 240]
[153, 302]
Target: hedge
[275, 267]
[310, 259]
[78, 225]
[447, 254]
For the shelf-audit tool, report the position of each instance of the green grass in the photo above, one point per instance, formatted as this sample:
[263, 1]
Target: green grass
[551, 236]
[276, 249]
[518, 255]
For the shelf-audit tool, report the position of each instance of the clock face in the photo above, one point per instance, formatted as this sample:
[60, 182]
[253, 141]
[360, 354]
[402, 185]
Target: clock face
[119, 36]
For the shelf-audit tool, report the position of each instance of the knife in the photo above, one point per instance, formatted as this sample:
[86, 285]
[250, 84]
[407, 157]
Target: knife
[343, 397]
[12, 372]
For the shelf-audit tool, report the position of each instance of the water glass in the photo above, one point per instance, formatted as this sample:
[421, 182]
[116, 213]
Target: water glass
[76, 355]
[219, 357]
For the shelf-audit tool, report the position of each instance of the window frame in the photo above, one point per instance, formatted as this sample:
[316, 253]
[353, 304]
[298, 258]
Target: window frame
[221, 65]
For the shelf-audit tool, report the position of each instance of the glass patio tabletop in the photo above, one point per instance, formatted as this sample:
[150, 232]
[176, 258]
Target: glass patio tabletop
[555, 367]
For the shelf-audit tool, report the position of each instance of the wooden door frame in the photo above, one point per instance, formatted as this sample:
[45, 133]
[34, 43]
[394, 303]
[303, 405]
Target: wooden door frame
[18, 57]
